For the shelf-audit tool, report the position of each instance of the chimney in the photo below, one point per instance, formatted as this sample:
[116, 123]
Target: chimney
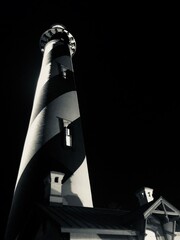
[145, 195]
[56, 188]
[53, 188]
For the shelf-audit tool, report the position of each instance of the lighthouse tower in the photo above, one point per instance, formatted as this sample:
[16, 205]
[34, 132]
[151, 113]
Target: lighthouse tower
[53, 168]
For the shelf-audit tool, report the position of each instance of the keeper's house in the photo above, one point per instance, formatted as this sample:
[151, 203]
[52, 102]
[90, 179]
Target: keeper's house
[155, 219]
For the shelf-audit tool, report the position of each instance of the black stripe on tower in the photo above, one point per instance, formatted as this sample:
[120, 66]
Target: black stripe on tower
[55, 87]
[58, 84]
[59, 50]
[51, 157]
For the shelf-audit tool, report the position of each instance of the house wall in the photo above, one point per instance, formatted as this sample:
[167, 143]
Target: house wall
[85, 236]
[150, 235]
[90, 236]
[177, 236]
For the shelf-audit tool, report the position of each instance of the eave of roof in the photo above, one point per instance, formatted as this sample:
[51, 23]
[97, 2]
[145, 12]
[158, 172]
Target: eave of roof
[122, 232]
[75, 219]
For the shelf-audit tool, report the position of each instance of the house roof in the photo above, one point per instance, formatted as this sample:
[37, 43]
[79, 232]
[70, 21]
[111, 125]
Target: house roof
[78, 219]
[159, 207]
[88, 220]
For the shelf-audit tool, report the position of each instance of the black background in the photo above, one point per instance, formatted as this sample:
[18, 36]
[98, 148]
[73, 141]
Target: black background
[127, 76]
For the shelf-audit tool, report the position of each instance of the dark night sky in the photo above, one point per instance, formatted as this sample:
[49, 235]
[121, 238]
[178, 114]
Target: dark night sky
[127, 76]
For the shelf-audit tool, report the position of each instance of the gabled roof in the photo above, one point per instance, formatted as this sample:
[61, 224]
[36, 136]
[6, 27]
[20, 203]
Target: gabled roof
[159, 207]
[88, 220]
[162, 207]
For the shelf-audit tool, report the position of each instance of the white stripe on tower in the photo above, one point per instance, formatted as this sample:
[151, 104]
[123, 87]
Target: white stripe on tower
[54, 140]
[49, 106]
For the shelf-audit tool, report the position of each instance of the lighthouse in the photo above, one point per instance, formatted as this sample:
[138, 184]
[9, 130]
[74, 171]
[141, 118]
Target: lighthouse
[53, 168]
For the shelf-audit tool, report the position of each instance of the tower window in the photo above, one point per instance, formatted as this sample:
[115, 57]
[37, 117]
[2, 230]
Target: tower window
[68, 137]
[62, 70]
[67, 131]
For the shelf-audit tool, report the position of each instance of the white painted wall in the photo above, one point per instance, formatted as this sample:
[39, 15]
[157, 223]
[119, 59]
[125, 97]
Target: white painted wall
[85, 236]
[177, 237]
[150, 235]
